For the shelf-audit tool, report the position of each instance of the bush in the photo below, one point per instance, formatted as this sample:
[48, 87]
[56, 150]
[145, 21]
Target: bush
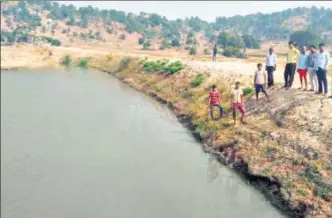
[192, 51]
[230, 51]
[164, 44]
[199, 79]
[84, 63]
[66, 60]
[206, 51]
[109, 30]
[247, 91]
[162, 66]
[175, 43]
[146, 45]
[141, 41]
[124, 62]
[52, 41]
[122, 36]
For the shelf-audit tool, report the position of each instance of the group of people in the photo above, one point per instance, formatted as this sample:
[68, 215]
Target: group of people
[307, 61]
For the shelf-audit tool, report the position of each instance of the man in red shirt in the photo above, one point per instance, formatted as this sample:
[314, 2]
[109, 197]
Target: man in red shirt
[214, 101]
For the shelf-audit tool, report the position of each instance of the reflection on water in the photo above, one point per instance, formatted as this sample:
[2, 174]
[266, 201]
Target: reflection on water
[81, 144]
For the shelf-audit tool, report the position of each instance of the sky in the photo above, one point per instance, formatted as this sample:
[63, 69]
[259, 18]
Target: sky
[206, 10]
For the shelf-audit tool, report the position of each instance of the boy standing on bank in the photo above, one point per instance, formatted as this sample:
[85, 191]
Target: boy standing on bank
[260, 82]
[302, 67]
[237, 102]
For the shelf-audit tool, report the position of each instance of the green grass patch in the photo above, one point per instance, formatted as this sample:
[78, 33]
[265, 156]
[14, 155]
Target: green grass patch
[66, 60]
[83, 63]
[162, 66]
[247, 91]
[199, 79]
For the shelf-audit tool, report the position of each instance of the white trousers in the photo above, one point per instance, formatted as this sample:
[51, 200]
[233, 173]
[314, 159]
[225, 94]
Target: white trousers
[313, 79]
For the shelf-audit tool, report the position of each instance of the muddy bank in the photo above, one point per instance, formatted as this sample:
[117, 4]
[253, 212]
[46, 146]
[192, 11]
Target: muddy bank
[285, 172]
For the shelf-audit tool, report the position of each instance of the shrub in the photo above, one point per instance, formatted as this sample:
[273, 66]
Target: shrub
[174, 67]
[109, 30]
[125, 62]
[52, 41]
[164, 44]
[66, 60]
[84, 63]
[192, 51]
[122, 36]
[199, 79]
[247, 91]
[141, 41]
[175, 43]
[206, 51]
[146, 45]
[230, 51]
[162, 66]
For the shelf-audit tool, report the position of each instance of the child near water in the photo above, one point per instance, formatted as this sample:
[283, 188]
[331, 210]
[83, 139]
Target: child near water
[214, 100]
[260, 81]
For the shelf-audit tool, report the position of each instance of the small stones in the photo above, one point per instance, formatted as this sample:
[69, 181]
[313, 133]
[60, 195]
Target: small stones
[275, 135]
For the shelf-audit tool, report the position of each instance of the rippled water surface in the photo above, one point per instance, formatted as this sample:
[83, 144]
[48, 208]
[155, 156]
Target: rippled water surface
[78, 144]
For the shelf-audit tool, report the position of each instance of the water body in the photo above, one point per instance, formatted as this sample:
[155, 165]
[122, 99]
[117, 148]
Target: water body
[80, 144]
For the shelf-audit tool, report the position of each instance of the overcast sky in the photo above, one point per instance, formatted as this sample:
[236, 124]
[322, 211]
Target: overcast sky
[206, 10]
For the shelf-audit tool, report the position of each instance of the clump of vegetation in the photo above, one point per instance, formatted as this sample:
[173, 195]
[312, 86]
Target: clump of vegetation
[247, 91]
[164, 44]
[141, 40]
[122, 36]
[193, 51]
[206, 51]
[162, 66]
[146, 45]
[124, 63]
[83, 63]
[175, 43]
[66, 60]
[52, 41]
[199, 79]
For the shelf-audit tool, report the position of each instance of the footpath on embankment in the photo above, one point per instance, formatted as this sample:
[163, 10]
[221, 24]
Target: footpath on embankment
[284, 150]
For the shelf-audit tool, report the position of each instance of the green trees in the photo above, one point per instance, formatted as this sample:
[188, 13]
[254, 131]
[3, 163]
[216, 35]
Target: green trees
[305, 37]
[141, 40]
[175, 43]
[146, 45]
[250, 42]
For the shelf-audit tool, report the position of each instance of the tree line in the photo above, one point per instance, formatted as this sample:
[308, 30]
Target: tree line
[249, 28]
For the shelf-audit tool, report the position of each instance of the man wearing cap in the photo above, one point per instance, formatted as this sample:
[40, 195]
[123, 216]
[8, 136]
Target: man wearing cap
[321, 65]
[292, 59]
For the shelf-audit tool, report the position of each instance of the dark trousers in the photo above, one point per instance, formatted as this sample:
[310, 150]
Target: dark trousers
[220, 111]
[322, 80]
[289, 74]
[270, 80]
[214, 57]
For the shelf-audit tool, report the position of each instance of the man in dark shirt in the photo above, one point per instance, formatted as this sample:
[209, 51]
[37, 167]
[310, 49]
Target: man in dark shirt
[214, 57]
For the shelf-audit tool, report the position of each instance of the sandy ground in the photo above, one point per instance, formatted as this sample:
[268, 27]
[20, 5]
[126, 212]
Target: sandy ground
[33, 57]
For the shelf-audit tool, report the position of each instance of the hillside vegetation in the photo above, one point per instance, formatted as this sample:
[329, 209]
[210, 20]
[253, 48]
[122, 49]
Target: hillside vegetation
[152, 31]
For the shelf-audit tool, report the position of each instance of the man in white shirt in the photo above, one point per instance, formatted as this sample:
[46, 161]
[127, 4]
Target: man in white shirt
[271, 64]
[321, 65]
[237, 102]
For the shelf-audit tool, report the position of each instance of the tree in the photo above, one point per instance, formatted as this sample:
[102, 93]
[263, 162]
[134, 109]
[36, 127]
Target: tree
[164, 44]
[141, 40]
[250, 42]
[224, 39]
[305, 37]
[122, 36]
[146, 45]
[175, 43]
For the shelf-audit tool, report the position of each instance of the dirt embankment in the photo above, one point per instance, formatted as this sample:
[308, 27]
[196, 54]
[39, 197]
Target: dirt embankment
[285, 150]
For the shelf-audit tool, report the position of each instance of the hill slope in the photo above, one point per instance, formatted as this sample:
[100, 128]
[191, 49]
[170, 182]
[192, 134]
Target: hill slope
[87, 23]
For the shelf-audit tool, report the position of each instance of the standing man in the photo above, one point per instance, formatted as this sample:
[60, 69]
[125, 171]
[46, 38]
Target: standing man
[323, 58]
[214, 57]
[271, 64]
[292, 57]
[302, 67]
[312, 57]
